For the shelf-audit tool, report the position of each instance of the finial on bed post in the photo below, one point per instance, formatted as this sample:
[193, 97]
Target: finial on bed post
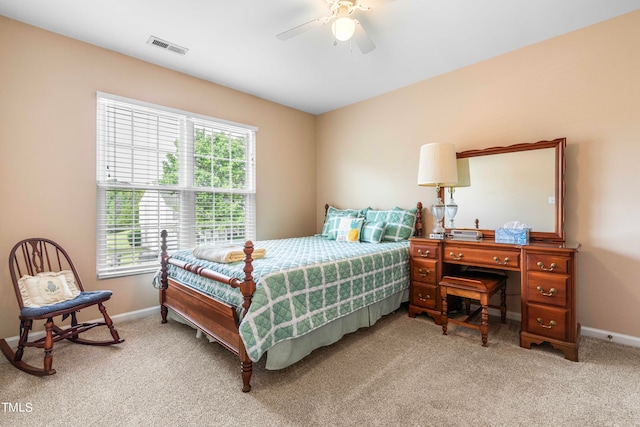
[248, 286]
[418, 231]
[326, 209]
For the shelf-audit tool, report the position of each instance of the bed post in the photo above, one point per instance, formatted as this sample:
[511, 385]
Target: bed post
[247, 287]
[163, 278]
[418, 231]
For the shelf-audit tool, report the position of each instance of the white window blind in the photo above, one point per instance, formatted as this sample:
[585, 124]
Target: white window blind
[165, 169]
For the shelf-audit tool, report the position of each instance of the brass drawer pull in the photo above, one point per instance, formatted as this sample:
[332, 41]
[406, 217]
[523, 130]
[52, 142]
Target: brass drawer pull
[551, 292]
[421, 298]
[497, 260]
[552, 267]
[424, 272]
[549, 326]
[424, 254]
[457, 258]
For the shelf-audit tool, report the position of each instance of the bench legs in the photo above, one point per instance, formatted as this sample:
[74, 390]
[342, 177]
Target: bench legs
[483, 299]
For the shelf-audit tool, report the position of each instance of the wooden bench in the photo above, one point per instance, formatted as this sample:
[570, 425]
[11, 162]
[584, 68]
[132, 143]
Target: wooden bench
[478, 286]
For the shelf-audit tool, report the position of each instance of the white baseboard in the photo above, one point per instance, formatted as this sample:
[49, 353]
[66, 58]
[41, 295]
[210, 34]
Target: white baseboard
[586, 331]
[611, 336]
[131, 315]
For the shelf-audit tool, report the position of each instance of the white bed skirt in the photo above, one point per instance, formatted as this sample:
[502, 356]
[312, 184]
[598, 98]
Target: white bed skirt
[286, 353]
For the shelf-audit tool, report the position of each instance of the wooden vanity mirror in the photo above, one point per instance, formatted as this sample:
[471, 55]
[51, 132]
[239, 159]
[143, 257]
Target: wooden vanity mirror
[522, 182]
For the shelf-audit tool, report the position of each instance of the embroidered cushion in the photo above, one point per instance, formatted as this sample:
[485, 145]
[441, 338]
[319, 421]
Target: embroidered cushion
[40, 291]
[68, 276]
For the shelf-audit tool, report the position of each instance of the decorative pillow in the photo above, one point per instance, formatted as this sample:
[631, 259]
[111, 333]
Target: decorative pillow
[40, 291]
[69, 277]
[344, 212]
[331, 225]
[349, 229]
[372, 231]
[400, 222]
[341, 212]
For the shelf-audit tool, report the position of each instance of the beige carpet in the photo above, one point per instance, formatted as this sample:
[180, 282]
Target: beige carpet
[402, 371]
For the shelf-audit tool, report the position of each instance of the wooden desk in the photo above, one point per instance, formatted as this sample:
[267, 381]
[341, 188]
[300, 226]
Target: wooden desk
[548, 277]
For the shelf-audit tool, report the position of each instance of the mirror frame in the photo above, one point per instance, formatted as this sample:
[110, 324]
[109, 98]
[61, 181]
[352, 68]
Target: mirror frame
[558, 235]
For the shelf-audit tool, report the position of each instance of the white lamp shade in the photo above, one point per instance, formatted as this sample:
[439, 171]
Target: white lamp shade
[343, 28]
[464, 178]
[438, 167]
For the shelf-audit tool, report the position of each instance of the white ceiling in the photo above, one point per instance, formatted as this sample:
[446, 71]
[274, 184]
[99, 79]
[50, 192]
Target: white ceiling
[233, 43]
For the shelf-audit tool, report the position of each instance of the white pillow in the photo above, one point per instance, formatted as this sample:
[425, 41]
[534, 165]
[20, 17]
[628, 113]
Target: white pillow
[40, 291]
[69, 277]
[349, 229]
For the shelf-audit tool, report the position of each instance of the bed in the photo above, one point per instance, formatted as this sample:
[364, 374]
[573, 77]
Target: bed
[305, 292]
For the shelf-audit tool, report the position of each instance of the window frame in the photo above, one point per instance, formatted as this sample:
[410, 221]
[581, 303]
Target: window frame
[182, 228]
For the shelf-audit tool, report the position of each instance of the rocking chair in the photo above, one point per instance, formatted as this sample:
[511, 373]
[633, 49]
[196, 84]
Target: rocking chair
[47, 285]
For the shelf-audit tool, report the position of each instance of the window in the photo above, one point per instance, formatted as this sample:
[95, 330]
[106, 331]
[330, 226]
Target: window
[165, 169]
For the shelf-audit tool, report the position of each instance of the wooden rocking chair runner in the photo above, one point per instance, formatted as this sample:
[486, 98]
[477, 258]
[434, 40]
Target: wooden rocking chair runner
[48, 270]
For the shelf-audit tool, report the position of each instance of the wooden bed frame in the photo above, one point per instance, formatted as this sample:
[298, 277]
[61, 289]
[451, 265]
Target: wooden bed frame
[216, 318]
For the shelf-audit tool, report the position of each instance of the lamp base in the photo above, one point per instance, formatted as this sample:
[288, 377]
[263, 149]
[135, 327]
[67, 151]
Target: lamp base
[437, 236]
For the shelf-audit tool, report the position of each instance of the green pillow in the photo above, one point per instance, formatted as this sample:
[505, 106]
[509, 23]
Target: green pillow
[400, 222]
[341, 212]
[372, 231]
[332, 223]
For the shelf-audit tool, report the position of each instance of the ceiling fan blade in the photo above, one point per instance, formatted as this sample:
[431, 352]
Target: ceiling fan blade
[286, 35]
[362, 39]
[368, 4]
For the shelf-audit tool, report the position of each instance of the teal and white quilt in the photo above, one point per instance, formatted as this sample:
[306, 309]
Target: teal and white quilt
[303, 283]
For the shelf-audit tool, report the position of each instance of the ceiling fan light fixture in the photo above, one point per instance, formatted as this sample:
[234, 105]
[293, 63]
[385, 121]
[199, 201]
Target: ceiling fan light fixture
[343, 28]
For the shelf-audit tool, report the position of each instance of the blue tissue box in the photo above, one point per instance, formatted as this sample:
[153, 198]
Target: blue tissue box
[515, 236]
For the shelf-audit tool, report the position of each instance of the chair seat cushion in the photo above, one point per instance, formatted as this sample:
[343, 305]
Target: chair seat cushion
[83, 298]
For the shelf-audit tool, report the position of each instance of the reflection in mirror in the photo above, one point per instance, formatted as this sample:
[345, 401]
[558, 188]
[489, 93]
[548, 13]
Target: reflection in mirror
[523, 182]
[510, 187]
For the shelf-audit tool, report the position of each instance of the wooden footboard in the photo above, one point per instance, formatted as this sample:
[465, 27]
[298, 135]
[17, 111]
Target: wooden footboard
[213, 317]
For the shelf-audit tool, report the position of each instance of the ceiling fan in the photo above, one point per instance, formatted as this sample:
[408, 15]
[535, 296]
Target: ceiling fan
[343, 25]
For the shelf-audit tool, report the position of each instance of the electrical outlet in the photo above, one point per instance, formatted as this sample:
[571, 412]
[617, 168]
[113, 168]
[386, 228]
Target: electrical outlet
[552, 200]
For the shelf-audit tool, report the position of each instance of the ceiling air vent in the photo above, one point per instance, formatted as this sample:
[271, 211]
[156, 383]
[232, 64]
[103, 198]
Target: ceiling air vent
[163, 44]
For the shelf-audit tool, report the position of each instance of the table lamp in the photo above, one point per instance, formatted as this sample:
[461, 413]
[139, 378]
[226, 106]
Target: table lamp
[464, 180]
[437, 168]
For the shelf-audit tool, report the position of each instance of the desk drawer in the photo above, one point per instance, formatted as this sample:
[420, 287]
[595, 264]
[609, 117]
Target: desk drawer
[423, 250]
[423, 295]
[485, 257]
[547, 263]
[424, 270]
[549, 322]
[546, 288]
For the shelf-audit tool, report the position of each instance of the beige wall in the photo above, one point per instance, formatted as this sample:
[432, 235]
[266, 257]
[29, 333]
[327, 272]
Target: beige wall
[584, 86]
[48, 86]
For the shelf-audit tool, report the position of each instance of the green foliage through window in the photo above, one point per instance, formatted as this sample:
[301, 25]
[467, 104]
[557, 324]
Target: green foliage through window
[201, 189]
